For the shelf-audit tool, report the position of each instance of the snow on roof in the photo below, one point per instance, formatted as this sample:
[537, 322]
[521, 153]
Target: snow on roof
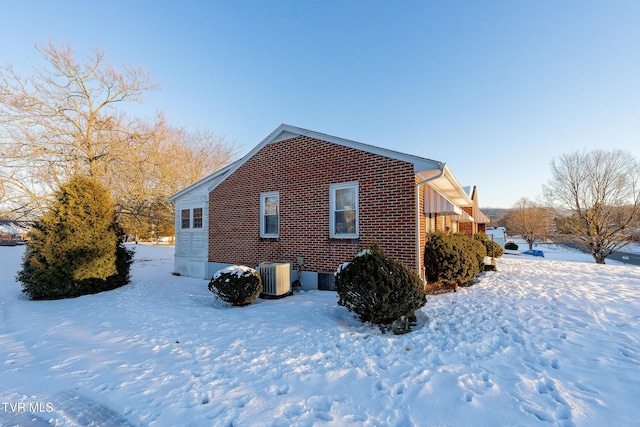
[9, 228]
[496, 231]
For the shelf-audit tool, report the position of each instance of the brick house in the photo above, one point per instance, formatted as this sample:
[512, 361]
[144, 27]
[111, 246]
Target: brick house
[472, 220]
[314, 200]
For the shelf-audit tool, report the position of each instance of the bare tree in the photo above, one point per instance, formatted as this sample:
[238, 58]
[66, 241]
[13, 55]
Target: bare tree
[600, 190]
[21, 192]
[529, 220]
[166, 161]
[64, 119]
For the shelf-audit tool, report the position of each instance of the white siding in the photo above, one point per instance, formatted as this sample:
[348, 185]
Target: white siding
[191, 243]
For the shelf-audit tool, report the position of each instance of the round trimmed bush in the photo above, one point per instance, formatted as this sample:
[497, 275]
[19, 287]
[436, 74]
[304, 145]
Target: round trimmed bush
[493, 249]
[473, 262]
[511, 246]
[452, 259]
[440, 259]
[237, 285]
[379, 289]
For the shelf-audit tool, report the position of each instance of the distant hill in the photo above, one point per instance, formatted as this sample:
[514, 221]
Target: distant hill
[495, 211]
[497, 216]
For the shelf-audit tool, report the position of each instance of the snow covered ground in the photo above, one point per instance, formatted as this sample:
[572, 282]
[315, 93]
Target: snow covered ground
[542, 341]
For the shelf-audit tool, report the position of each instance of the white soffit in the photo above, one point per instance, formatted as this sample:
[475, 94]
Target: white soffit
[447, 185]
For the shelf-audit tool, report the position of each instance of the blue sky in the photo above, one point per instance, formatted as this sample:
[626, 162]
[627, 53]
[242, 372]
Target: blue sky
[496, 89]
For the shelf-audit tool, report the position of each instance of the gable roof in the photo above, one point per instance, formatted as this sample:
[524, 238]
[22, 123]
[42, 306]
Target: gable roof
[206, 181]
[436, 174]
[284, 132]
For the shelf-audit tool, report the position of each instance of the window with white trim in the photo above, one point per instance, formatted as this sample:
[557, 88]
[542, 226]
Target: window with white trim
[197, 217]
[270, 215]
[343, 202]
[186, 218]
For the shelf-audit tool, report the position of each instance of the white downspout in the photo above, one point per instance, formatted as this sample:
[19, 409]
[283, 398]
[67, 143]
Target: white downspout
[418, 218]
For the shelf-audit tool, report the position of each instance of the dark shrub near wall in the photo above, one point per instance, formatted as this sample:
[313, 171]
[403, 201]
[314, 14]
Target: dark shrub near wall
[237, 285]
[379, 289]
[471, 257]
[440, 259]
[453, 259]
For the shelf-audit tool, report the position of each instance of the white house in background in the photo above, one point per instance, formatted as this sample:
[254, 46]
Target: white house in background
[192, 226]
[498, 235]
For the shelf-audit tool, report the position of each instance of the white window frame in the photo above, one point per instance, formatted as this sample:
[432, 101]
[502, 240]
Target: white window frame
[194, 218]
[183, 225]
[332, 210]
[263, 197]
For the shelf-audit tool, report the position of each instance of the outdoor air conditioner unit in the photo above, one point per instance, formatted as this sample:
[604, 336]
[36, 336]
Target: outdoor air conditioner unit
[276, 279]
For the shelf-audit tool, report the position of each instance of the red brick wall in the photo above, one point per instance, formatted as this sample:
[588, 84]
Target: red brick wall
[302, 169]
[467, 227]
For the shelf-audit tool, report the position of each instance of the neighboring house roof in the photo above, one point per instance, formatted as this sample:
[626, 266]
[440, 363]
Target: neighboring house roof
[481, 218]
[206, 181]
[436, 173]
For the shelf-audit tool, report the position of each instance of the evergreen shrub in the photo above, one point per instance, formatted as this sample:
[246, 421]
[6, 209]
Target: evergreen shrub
[441, 261]
[77, 246]
[472, 255]
[379, 289]
[511, 246]
[493, 249]
[475, 252]
[237, 285]
[452, 259]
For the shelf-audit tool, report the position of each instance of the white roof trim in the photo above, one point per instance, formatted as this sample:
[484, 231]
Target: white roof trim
[284, 132]
[207, 180]
[447, 185]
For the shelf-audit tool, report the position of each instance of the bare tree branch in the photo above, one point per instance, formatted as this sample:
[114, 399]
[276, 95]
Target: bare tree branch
[529, 220]
[64, 120]
[600, 192]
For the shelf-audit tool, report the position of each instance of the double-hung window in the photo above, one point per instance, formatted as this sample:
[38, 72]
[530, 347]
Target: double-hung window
[197, 217]
[186, 218]
[270, 215]
[343, 202]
